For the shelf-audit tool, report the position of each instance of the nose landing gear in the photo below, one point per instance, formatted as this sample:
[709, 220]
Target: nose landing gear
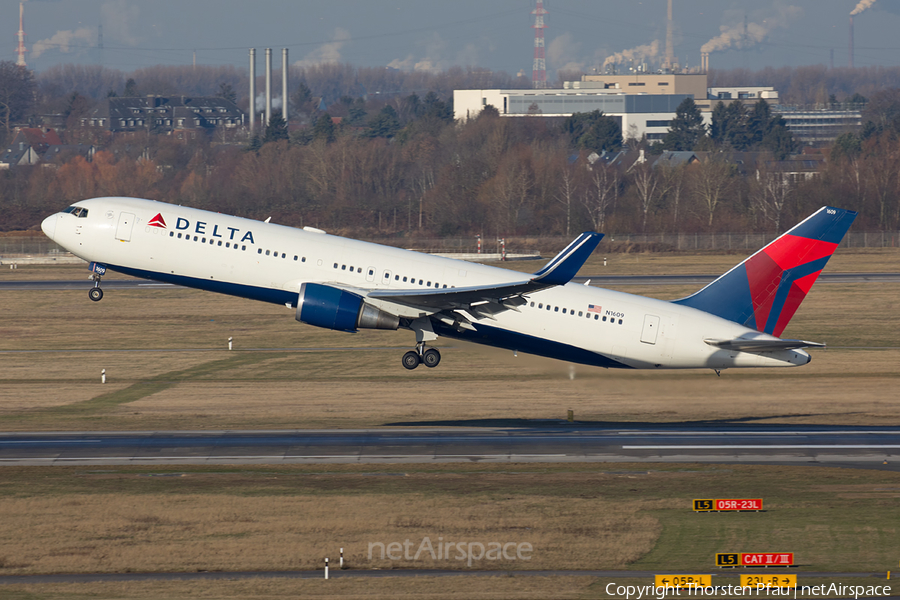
[430, 357]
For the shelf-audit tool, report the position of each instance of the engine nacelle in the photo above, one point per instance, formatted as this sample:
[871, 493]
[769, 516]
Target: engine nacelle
[334, 308]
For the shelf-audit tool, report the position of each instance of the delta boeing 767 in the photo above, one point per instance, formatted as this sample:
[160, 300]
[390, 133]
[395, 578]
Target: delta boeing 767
[347, 285]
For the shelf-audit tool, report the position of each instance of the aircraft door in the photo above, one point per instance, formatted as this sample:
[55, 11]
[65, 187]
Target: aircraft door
[370, 274]
[651, 329]
[386, 278]
[123, 229]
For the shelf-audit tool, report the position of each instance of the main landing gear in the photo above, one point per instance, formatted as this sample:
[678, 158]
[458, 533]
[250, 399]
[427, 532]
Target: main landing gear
[95, 294]
[430, 357]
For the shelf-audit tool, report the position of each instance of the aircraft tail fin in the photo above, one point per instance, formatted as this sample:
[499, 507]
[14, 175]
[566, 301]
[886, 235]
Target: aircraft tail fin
[765, 291]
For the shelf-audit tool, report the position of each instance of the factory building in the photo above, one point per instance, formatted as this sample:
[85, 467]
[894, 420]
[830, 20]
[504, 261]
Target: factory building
[639, 114]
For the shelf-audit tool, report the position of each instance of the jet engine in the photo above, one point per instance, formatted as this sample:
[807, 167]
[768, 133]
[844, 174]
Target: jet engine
[333, 308]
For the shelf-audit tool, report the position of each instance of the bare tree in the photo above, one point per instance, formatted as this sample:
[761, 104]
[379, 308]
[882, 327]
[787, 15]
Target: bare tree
[769, 193]
[710, 182]
[17, 93]
[602, 194]
[646, 182]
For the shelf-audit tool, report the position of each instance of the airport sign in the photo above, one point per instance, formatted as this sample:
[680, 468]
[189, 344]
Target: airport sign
[727, 504]
[755, 559]
[681, 581]
[780, 581]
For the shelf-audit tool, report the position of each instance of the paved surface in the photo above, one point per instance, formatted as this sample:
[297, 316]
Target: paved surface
[554, 442]
[599, 281]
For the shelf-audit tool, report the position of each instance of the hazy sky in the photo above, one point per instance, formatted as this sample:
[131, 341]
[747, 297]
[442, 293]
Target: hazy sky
[426, 34]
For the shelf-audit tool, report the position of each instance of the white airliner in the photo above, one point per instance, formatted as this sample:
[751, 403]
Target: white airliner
[346, 285]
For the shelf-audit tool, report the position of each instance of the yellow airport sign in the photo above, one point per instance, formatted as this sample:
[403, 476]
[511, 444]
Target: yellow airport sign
[683, 581]
[768, 580]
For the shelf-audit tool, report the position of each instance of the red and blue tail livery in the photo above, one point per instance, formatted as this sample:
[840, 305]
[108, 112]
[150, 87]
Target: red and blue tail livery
[765, 291]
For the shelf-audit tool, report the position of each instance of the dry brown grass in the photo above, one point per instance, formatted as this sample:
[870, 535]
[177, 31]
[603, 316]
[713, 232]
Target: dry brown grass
[185, 532]
[420, 588]
[176, 373]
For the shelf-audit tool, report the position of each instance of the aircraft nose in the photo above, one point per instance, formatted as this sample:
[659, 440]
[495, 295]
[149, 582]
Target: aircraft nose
[49, 226]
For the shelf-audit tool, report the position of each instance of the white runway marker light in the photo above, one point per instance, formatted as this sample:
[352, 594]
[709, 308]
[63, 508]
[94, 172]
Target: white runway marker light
[326, 568]
[103, 376]
[342, 558]
[230, 340]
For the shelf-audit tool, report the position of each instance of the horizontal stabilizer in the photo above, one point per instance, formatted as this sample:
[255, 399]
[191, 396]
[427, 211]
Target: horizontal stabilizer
[767, 345]
[567, 263]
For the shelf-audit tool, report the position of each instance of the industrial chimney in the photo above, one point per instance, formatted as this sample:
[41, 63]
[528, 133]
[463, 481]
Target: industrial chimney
[20, 49]
[851, 41]
[268, 86]
[252, 91]
[670, 44]
[284, 85]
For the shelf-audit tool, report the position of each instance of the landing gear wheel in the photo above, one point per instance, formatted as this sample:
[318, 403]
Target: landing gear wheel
[411, 360]
[96, 294]
[431, 358]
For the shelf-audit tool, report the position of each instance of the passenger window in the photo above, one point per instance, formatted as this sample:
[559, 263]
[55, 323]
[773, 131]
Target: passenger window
[532, 305]
[295, 257]
[445, 285]
[228, 244]
[541, 305]
[343, 267]
[397, 278]
[283, 255]
[267, 253]
[604, 318]
[579, 313]
[548, 307]
[335, 265]
[303, 259]
[404, 279]
[596, 317]
[195, 238]
[220, 243]
[420, 282]
[428, 284]
[203, 241]
[371, 272]
[556, 309]
[179, 236]
[620, 321]
[259, 251]
[564, 311]
[171, 234]
[242, 248]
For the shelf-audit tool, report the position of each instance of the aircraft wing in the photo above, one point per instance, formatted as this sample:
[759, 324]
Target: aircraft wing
[762, 345]
[493, 298]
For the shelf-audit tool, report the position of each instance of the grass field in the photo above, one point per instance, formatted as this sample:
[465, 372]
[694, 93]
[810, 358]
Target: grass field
[168, 368]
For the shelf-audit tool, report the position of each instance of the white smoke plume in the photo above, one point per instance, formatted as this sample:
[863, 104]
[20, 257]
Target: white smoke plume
[863, 5]
[329, 52]
[64, 40]
[741, 36]
[261, 102]
[639, 54]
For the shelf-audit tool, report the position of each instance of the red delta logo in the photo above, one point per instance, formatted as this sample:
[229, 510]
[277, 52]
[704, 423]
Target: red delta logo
[157, 221]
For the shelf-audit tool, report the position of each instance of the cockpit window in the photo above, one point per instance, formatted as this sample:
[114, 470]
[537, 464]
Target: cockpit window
[77, 211]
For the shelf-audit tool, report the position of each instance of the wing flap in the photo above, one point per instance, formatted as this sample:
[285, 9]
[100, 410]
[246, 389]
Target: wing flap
[762, 345]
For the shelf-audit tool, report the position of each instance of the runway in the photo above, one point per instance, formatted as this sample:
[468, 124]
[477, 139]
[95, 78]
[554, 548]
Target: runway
[862, 447]
[596, 280]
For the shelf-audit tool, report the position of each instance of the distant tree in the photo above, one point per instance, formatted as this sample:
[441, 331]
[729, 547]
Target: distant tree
[112, 94]
[686, 128]
[227, 92]
[17, 93]
[356, 115]
[434, 107]
[324, 128]
[846, 146]
[856, 98]
[489, 112]
[276, 129]
[385, 124]
[884, 110]
[779, 140]
[593, 131]
[131, 89]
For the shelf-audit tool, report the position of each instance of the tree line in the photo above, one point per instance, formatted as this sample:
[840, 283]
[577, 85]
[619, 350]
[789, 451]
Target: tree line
[398, 165]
